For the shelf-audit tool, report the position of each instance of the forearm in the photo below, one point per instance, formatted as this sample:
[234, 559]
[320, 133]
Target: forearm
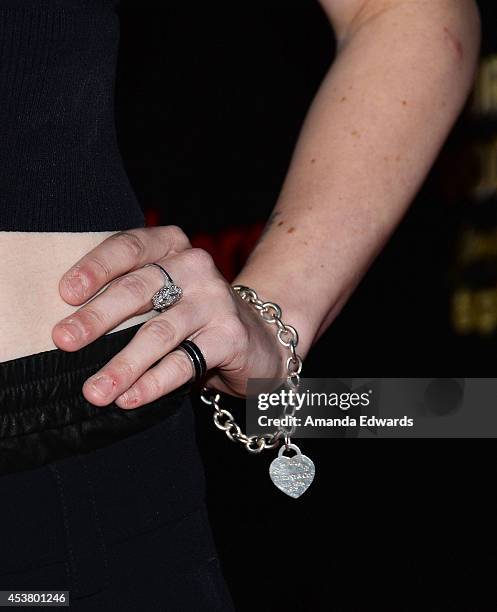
[375, 127]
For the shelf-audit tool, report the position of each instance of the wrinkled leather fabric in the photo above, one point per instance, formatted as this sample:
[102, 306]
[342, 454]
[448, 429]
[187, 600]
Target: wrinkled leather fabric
[44, 416]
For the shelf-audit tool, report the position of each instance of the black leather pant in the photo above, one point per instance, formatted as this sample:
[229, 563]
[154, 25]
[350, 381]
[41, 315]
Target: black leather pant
[103, 502]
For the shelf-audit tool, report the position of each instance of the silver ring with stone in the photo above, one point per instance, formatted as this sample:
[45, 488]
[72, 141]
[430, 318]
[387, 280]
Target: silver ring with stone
[167, 295]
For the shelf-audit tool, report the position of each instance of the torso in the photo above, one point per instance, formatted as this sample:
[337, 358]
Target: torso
[32, 264]
[62, 181]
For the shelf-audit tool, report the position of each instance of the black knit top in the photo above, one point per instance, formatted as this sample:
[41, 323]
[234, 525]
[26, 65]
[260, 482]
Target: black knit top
[60, 166]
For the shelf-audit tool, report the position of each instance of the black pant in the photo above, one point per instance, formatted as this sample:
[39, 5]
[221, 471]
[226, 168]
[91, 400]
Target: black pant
[103, 502]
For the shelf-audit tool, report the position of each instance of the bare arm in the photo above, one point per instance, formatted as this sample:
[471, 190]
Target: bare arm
[402, 73]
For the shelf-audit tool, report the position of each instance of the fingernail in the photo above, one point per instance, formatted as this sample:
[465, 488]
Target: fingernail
[103, 385]
[76, 286]
[129, 397]
[72, 331]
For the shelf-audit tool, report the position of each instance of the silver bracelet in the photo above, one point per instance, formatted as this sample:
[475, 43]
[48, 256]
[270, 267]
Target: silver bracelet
[292, 475]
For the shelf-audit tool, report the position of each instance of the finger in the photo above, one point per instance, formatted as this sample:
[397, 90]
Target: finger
[125, 297]
[154, 339]
[117, 254]
[174, 370]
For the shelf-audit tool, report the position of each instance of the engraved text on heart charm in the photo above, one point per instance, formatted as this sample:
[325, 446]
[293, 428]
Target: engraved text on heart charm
[292, 475]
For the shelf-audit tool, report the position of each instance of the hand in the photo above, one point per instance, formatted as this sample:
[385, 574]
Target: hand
[235, 341]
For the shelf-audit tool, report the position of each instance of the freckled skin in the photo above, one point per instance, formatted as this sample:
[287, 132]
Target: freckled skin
[343, 99]
[291, 230]
[313, 160]
[280, 223]
[404, 102]
[456, 44]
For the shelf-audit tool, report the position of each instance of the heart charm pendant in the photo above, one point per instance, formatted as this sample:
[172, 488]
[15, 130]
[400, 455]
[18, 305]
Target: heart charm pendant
[292, 475]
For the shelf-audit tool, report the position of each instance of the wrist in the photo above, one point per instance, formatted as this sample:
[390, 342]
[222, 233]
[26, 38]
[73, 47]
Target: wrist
[293, 311]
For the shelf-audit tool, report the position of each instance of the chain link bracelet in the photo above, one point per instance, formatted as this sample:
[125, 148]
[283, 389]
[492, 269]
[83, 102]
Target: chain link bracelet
[292, 475]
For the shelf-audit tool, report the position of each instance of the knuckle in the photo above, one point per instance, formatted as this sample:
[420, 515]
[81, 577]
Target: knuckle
[91, 319]
[161, 329]
[200, 259]
[177, 237]
[100, 268]
[182, 365]
[131, 243]
[152, 385]
[123, 370]
[134, 284]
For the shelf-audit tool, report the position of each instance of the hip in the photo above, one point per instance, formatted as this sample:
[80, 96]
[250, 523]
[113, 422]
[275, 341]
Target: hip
[106, 503]
[44, 416]
[32, 264]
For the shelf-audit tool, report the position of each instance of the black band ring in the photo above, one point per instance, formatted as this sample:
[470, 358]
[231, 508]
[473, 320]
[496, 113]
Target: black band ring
[196, 357]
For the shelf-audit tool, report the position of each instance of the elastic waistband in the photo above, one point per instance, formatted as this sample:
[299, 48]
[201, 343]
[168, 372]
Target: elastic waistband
[44, 416]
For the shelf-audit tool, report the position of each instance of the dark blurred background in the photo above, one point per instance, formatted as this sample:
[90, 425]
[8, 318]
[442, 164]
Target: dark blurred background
[210, 100]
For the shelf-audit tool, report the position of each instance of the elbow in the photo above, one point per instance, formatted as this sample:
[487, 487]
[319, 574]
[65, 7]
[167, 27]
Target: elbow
[451, 46]
[450, 30]
[459, 24]
[462, 31]
[470, 16]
